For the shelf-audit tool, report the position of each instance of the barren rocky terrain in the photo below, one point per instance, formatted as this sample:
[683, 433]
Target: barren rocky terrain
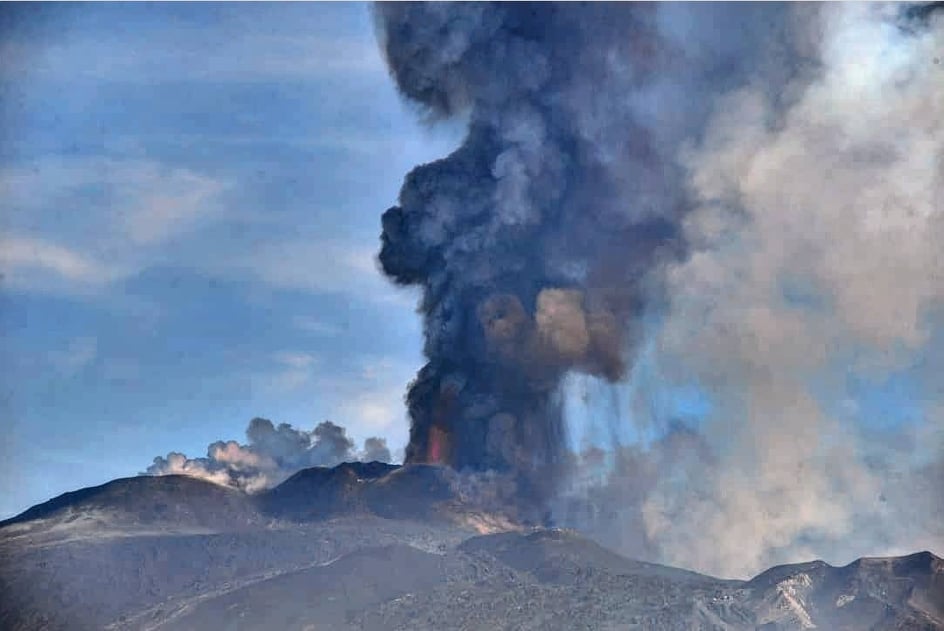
[379, 547]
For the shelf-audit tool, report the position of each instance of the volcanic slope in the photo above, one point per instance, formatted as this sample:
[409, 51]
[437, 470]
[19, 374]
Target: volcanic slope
[372, 546]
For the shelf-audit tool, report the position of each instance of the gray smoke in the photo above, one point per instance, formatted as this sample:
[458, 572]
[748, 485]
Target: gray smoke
[273, 453]
[752, 193]
[816, 262]
[376, 450]
[541, 242]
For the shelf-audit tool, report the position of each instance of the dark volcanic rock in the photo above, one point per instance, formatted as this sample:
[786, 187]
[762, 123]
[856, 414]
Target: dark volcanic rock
[171, 500]
[411, 492]
[374, 546]
[322, 492]
[558, 555]
[390, 491]
[885, 593]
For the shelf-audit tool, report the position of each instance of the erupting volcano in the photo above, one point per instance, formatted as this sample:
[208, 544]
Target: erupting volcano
[681, 293]
[540, 243]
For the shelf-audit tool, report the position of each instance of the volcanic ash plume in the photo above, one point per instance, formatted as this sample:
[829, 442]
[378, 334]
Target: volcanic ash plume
[540, 243]
[273, 454]
[813, 290]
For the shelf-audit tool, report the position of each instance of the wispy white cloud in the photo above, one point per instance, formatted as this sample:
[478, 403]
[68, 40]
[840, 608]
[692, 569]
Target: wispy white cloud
[376, 409]
[79, 224]
[182, 55]
[28, 263]
[170, 205]
[316, 266]
[365, 393]
[145, 201]
[370, 396]
[288, 372]
[295, 359]
[101, 220]
[316, 326]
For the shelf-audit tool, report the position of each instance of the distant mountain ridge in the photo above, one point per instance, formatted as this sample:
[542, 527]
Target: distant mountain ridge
[376, 546]
[176, 499]
[310, 494]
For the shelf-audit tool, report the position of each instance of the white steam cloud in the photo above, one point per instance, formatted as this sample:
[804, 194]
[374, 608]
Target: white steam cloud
[273, 453]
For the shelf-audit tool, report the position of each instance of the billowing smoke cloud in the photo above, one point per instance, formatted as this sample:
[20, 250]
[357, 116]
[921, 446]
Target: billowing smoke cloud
[541, 240]
[817, 234]
[753, 194]
[273, 453]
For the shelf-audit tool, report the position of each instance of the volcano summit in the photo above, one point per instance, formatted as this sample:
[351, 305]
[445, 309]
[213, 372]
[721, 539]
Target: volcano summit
[373, 546]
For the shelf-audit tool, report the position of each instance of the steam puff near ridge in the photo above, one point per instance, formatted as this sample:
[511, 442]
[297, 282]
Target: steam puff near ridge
[273, 453]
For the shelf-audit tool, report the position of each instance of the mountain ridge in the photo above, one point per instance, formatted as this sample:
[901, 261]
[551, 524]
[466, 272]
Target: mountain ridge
[376, 546]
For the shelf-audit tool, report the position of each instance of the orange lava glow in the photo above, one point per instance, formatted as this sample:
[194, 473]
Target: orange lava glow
[438, 446]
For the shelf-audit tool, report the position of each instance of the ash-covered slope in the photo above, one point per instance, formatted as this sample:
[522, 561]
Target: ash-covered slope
[172, 501]
[143, 546]
[372, 546]
[180, 503]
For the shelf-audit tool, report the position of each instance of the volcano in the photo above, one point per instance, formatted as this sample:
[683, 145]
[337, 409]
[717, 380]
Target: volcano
[376, 546]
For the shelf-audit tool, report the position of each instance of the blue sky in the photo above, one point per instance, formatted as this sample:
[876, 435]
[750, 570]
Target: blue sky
[191, 198]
